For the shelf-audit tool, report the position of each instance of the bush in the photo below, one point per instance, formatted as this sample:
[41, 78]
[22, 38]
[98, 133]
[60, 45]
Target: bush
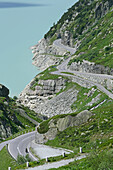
[107, 48]
[21, 159]
[44, 127]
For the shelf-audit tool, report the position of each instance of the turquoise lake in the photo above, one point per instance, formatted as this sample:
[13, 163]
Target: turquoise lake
[22, 24]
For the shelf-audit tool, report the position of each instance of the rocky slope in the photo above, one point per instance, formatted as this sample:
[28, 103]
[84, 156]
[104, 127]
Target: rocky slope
[78, 20]
[13, 117]
[46, 54]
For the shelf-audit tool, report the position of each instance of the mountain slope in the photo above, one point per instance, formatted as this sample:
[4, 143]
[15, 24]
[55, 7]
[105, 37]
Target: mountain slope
[13, 117]
[88, 25]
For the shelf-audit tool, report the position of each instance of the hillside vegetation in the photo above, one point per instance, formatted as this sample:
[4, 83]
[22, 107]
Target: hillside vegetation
[83, 115]
[15, 118]
[88, 25]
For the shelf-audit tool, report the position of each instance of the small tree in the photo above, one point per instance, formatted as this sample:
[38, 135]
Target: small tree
[15, 98]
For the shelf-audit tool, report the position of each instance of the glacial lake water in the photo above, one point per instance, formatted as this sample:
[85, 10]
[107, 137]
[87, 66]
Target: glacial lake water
[22, 24]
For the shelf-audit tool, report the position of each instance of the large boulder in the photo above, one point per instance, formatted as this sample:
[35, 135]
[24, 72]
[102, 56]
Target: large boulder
[60, 124]
[4, 91]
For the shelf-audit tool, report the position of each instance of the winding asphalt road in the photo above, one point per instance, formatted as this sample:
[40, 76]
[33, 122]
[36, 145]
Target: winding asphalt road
[59, 44]
[63, 68]
[19, 144]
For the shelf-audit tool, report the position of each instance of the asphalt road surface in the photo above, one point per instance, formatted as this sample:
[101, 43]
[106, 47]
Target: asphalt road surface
[59, 44]
[19, 144]
[63, 68]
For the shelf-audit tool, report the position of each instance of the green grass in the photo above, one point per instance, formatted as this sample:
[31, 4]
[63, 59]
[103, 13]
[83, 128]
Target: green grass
[53, 39]
[100, 51]
[68, 73]
[95, 161]
[97, 134]
[32, 114]
[6, 160]
[47, 74]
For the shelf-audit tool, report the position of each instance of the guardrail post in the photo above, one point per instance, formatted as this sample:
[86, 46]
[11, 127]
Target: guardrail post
[46, 159]
[63, 154]
[80, 149]
[27, 164]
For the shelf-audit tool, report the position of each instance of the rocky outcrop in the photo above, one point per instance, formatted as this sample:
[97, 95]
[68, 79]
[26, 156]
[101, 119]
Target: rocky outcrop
[4, 91]
[46, 55]
[90, 67]
[44, 100]
[60, 124]
[6, 129]
[102, 8]
[67, 38]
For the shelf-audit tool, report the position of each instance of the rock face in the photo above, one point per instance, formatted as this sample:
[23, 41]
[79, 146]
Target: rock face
[6, 129]
[44, 99]
[60, 104]
[60, 124]
[67, 38]
[90, 67]
[4, 91]
[102, 8]
[46, 55]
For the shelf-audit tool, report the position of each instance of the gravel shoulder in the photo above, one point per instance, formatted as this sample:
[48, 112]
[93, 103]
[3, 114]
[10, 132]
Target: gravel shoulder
[44, 151]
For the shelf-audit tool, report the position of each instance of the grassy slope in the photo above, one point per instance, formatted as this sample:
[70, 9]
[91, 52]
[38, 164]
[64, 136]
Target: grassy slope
[94, 32]
[102, 161]
[95, 137]
[96, 45]
[6, 160]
